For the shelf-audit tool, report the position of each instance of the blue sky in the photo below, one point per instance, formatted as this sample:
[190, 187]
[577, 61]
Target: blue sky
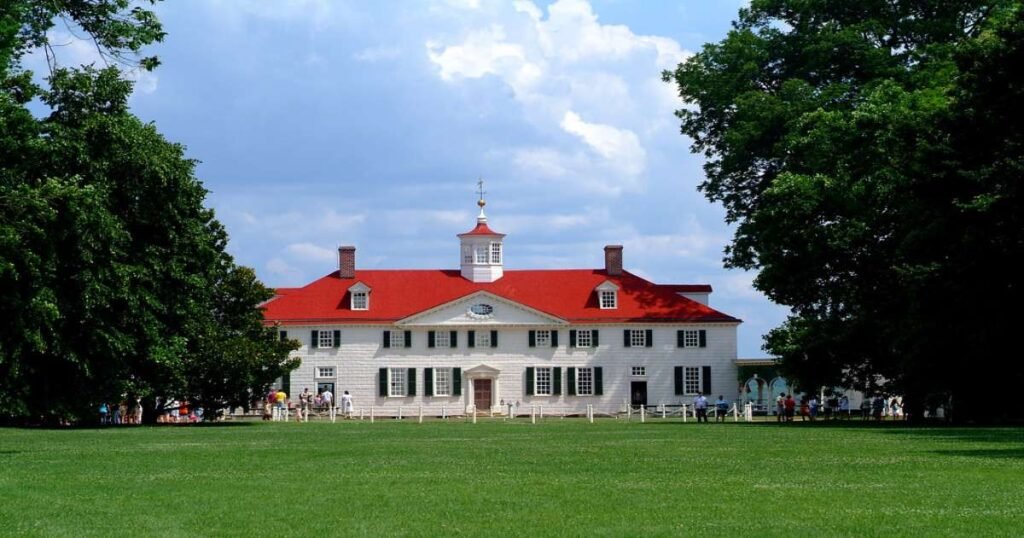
[320, 123]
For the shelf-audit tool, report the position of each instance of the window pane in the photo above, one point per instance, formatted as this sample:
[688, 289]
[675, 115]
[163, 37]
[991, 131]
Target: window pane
[397, 381]
[483, 339]
[639, 370]
[543, 338]
[583, 338]
[585, 381]
[326, 339]
[542, 382]
[495, 252]
[359, 301]
[397, 338]
[637, 338]
[691, 379]
[690, 338]
[441, 339]
[607, 299]
[442, 381]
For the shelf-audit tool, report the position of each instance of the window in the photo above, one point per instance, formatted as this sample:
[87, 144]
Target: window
[691, 338]
[543, 338]
[467, 255]
[396, 338]
[442, 381]
[481, 254]
[639, 371]
[584, 338]
[495, 252]
[585, 381]
[326, 339]
[325, 371]
[608, 300]
[442, 339]
[691, 379]
[396, 379]
[483, 339]
[360, 300]
[637, 338]
[542, 381]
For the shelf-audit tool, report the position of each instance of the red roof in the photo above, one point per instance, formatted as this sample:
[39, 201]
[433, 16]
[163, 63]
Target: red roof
[481, 229]
[566, 293]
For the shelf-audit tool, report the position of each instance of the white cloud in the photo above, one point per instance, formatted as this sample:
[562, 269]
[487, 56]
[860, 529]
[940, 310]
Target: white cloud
[572, 74]
[311, 252]
[281, 268]
[619, 146]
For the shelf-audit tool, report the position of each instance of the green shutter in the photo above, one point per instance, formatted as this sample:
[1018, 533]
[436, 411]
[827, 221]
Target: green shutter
[679, 379]
[625, 338]
[454, 337]
[572, 337]
[286, 383]
[529, 381]
[649, 340]
[408, 338]
[532, 339]
[554, 338]
[470, 338]
[593, 337]
[411, 382]
[570, 381]
[314, 339]
[284, 335]
[430, 338]
[680, 339]
[387, 339]
[337, 339]
[703, 338]
[705, 372]
[456, 381]
[556, 381]
[428, 381]
[598, 381]
[382, 382]
[494, 338]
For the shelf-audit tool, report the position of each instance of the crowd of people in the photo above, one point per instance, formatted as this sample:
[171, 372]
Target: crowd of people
[307, 405]
[837, 407]
[127, 411]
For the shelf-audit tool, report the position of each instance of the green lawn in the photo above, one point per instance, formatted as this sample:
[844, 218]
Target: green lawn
[561, 477]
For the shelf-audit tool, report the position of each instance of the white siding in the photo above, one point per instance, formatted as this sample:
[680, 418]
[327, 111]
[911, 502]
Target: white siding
[362, 354]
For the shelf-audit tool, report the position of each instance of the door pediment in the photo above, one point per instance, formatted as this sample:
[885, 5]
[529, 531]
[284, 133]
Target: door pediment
[483, 309]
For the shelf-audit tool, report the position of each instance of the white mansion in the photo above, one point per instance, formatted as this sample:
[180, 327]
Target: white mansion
[483, 336]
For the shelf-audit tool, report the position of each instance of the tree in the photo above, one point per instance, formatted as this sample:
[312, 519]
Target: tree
[837, 139]
[114, 279]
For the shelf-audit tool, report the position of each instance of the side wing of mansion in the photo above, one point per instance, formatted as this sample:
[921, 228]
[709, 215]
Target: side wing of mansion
[483, 336]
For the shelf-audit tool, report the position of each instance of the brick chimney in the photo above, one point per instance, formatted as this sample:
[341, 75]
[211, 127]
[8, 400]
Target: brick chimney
[347, 262]
[613, 260]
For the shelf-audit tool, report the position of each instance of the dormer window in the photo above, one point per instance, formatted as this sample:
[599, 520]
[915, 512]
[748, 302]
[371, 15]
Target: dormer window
[608, 296]
[360, 297]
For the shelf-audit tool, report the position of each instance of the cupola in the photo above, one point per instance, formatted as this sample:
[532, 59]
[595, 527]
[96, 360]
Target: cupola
[481, 251]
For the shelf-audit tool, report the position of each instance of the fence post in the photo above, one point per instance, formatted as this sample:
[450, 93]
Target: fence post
[643, 414]
[399, 412]
[371, 414]
[533, 414]
[629, 412]
[474, 414]
[421, 415]
[444, 411]
[662, 406]
[684, 412]
[591, 409]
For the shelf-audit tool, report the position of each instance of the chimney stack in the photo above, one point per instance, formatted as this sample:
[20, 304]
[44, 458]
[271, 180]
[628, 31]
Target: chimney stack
[613, 260]
[347, 262]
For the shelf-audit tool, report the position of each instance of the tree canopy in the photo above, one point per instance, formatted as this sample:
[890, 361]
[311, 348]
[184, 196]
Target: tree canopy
[114, 279]
[869, 156]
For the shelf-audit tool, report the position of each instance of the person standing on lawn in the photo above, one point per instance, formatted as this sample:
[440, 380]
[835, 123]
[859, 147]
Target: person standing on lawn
[700, 403]
[721, 409]
[844, 407]
[790, 407]
[780, 407]
[813, 407]
[346, 404]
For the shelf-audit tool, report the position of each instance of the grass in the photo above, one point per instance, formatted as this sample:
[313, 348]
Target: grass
[560, 477]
